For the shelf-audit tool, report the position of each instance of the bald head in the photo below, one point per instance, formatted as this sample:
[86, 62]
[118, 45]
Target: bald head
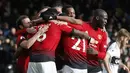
[100, 12]
[101, 17]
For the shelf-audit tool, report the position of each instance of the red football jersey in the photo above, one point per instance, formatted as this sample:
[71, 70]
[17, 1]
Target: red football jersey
[75, 49]
[101, 37]
[23, 59]
[48, 41]
[22, 31]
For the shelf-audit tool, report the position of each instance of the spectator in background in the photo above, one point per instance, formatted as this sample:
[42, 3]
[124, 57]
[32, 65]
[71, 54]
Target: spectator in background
[6, 29]
[12, 37]
[2, 37]
[5, 53]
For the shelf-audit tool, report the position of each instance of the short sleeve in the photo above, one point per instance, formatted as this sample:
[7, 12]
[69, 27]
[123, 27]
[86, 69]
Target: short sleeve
[110, 49]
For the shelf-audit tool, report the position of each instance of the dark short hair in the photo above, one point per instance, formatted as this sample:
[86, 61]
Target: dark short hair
[57, 4]
[52, 11]
[19, 20]
[66, 7]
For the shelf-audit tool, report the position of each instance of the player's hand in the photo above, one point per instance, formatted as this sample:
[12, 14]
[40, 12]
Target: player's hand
[31, 30]
[92, 51]
[43, 29]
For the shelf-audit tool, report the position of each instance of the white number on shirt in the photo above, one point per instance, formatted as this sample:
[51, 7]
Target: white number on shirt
[42, 36]
[75, 46]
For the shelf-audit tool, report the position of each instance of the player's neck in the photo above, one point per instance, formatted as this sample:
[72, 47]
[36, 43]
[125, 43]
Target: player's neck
[93, 24]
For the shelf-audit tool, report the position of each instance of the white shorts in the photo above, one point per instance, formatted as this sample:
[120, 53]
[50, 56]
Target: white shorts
[42, 67]
[67, 69]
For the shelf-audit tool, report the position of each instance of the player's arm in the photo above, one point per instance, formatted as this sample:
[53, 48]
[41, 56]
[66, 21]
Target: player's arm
[19, 49]
[28, 43]
[47, 16]
[106, 62]
[81, 34]
[70, 19]
[25, 44]
[102, 47]
[69, 30]
[18, 52]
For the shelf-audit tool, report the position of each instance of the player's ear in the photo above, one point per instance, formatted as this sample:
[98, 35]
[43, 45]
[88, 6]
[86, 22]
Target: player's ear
[97, 17]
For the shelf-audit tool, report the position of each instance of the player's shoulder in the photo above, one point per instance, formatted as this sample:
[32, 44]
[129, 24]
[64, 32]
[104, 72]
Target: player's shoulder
[19, 38]
[104, 33]
[86, 23]
[112, 46]
[102, 30]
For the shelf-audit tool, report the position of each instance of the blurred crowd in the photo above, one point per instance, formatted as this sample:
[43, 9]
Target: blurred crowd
[118, 17]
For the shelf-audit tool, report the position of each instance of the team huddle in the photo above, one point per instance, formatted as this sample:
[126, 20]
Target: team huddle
[59, 43]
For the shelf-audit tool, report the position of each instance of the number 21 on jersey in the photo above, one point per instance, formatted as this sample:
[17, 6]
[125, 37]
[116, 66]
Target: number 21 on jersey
[76, 45]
